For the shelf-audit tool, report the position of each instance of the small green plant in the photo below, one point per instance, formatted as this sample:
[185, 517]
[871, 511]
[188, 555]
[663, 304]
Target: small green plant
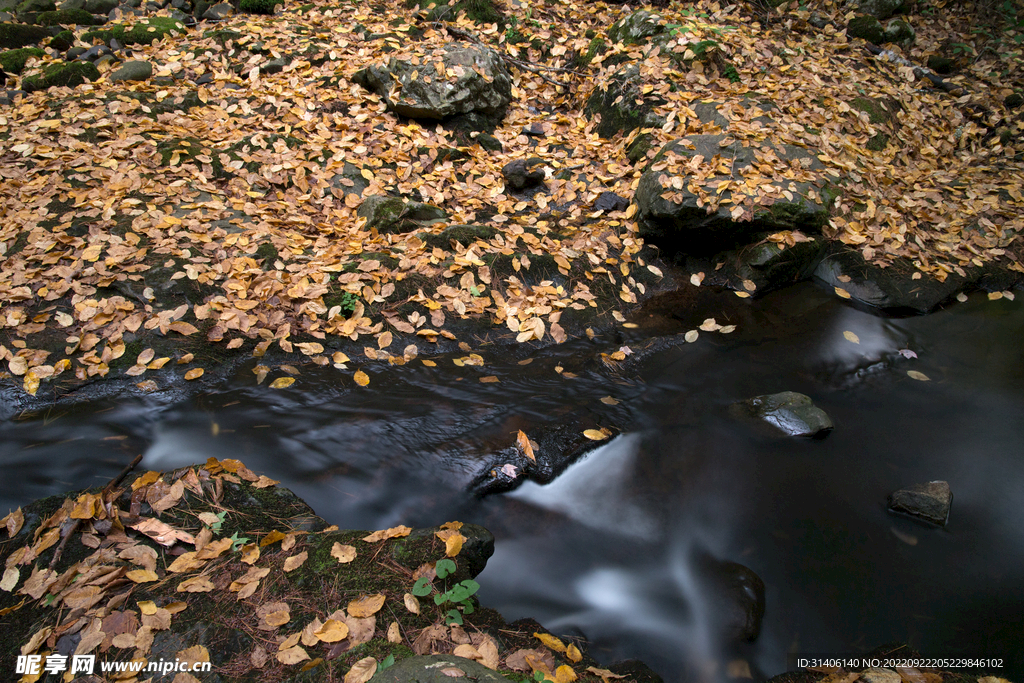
[386, 662]
[731, 73]
[237, 543]
[458, 596]
[348, 303]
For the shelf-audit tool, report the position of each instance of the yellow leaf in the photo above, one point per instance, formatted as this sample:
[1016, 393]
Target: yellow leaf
[295, 561]
[182, 327]
[842, 292]
[453, 541]
[595, 435]
[429, 363]
[273, 537]
[332, 631]
[282, 382]
[343, 553]
[564, 674]
[196, 584]
[489, 379]
[92, 253]
[194, 373]
[524, 445]
[573, 653]
[292, 655]
[141, 575]
[385, 534]
[548, 639]
[608, 400]
[363, 670]
[361, 378]
[920, 376]
[850, 336]
[384, 340]
[691, 336]
[411, 603]
[366, 606]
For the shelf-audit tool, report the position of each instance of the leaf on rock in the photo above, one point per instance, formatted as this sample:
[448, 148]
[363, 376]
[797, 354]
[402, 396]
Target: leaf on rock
[385, 534]
[295, 561]
[343, 553]
[282, 382]
[842, 293]
[361, 378]
[550, 641]
[524, 445]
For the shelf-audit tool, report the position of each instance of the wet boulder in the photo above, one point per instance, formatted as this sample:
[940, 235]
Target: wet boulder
[930, 502]
[687, 216]
[788, 412]
[772, 262]
[867, 28]
[892, 289]
[737, 598]
[475, 80]
[136, 70]
[609, 201]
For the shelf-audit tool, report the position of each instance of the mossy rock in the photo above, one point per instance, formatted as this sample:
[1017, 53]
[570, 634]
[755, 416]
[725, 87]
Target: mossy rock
[67, 17]
[19, 35]
[900, 31]
[866, 27]
[462, 234]
[68, 74]
[222, 36]
[145, 32]
[259, 6]
[396, 215]
[63, 41]
[636, 28]
[13, 61]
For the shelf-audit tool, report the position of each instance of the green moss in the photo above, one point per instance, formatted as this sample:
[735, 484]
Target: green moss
[13, 61]
[876, 112]
[867, 28]
[258, 6]
[145, 32]
[222, 36]
[68, 74]
[63, 17]
[63, 41]
[20, 35]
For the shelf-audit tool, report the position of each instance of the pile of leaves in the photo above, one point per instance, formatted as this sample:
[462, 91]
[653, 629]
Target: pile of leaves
[149, 222]
[213, 563]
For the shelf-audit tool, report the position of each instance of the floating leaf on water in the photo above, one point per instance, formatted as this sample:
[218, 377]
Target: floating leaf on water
[727, 329]
[630, 325]
[595, 434]
[909, 539]
[194, 373]
[842, 293]
[282, 382]
[691, 336]
[961, 297]
[850, 336]
[489, 379]
[742, 295]
[429, 363]
[696, 279]
[361, 378]
[992, 296]
[920, 376]
[618, 316]
[608, 400]
[907, 353]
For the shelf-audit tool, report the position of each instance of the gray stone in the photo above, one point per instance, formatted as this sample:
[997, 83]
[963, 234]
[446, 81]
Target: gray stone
[75, 52]
[609, 201]
[791, 413]
[673, 215]
[900, 31]
[222, 10]
[881, 9]
[100, 6]
[275, 66]
[771, 265]
[94, 53]
[116, 45]
[395, 214]
[930, 502]
[132, 71]
[437, 669]
[66, 4]
[523, 173]
[475, 81]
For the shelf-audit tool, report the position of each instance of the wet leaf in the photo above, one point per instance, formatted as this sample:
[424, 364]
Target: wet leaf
[907, 353]
[194, 373]
[524, 445]
[691, 336]
[608, 400]
[696, 279]
[550, 641]
[489, 379]
[961, 297]
[292, 655]
[919, 376]
[850, 336]
[595, 434]
[573, 653]
[361, 378]
[842, 293]
[282, 382]
[565, 674]
[605, 674]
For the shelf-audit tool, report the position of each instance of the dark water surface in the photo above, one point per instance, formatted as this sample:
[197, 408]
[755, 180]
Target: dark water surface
[614, 548]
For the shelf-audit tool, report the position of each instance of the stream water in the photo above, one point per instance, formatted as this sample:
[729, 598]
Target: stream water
[617, 547]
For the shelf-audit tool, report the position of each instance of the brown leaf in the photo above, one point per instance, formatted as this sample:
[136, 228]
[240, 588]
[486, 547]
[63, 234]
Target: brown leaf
[343, 553]
[366, 606]
[361, 671]
[524, 445]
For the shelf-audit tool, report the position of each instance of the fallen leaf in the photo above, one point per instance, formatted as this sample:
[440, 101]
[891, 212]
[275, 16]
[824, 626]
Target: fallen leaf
[691, 336]
[361, 378]
[282, 382]
[384, 534]
[842, 293]
[850, 336]
[361, 671]
[920, 376]
[332, 631]
[292, 655]
[343, 553]
[550, 641]
[295, 561]
[524, 445]
[366, 606]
